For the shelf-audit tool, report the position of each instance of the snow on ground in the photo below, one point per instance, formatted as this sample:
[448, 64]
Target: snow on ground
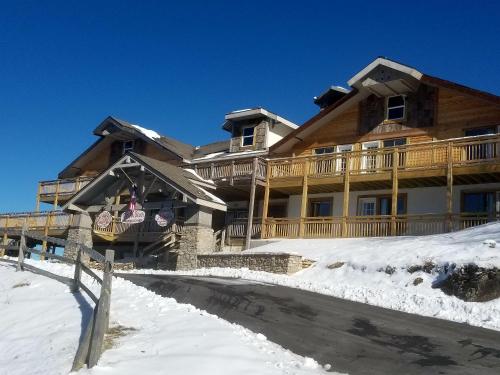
[41, 324]
[362, 278]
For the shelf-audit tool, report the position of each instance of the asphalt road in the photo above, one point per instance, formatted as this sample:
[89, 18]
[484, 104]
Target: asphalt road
[352, 337]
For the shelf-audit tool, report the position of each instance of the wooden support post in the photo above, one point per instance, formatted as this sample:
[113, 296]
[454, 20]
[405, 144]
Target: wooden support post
[22, 246]
[38, 192]
[303, 202]
[251, 204]
[5, 237]
[78, 269]
[46, 233]
[101, 322]
[395, 186]
[231, 177]
[265, 206]
[56, 198]
[222, 239]
[212, 172]
[345, 206]
[449, 188]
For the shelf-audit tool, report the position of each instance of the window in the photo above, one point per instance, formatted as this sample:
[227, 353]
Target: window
[481, 150]
[395, 142]
[396, 107]
[380, 205]
[370, 156]
[127, 146]
[324, 150]
[320, 207]
[479, 202]
[341, 162]
[387, 158]
[247, 136]
[480, 131]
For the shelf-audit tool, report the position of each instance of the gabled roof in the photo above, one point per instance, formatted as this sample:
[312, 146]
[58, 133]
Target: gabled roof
[193, 187]
[250, 113]
[183, 150]
[362, 86]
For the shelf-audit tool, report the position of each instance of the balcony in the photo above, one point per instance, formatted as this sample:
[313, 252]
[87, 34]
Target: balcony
[52, 223]
[231, 171]
[465, 155]
[59, 191]
[371, 226]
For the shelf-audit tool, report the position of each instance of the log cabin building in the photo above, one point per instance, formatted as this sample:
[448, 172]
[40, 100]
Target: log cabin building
[398, 153]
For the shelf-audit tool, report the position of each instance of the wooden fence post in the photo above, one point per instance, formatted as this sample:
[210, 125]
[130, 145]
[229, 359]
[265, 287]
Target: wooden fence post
[78, 269]
[101, 321]
[22, 245]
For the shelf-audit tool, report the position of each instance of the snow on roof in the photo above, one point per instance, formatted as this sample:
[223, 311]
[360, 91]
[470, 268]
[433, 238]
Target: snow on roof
[241, 110]
[212, 196]
[192, 171]
[212, 155]
[151, 134]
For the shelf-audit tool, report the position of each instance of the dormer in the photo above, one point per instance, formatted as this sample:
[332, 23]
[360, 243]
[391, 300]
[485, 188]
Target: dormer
[255, 129]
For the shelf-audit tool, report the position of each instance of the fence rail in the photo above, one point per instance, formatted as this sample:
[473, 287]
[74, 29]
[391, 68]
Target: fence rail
[371, 226]
[90, 348]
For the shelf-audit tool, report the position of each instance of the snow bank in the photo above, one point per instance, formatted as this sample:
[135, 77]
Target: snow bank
[40, 327]
[360, 275]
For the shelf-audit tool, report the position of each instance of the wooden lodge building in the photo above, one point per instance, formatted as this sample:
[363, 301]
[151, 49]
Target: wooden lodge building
[398, 153]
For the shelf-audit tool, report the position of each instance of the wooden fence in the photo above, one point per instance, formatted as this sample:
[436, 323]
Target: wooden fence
[90, 347]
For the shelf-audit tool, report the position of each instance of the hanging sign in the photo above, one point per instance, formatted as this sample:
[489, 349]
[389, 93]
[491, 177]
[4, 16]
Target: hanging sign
[103, 219]
[164, 217]
[133, 217]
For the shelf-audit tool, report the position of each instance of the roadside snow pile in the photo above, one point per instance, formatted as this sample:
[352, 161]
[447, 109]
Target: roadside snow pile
[392, 272]
[41, 324]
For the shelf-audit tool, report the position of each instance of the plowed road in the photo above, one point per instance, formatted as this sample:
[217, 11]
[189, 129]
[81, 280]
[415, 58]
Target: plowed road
[352, 337]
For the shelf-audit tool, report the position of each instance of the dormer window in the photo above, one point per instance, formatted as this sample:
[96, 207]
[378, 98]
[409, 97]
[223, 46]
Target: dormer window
[396, 107]
[127, 146]
[247, 136]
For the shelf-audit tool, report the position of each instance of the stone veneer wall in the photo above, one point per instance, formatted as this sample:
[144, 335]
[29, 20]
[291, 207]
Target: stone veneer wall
[268, 262]
[80, 231]
[195, 239]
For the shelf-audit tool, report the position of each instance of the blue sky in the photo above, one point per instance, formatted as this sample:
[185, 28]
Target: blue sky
[178, 67]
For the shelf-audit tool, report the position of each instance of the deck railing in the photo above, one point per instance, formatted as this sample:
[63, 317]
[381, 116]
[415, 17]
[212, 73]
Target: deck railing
[371, 226]
[230, 170]
[49, 220]
[57, 191]
[237, 228]
[116, 228]
[459, 152]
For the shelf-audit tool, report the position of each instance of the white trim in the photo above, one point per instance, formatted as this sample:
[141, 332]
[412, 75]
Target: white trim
[390, 64]
[243, 136]
[395, 107]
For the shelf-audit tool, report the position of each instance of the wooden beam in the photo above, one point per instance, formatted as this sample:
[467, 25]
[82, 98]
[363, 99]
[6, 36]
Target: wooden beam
[303, 202]
[265, 206]
[251, 205]
[56, 199]
[345, 206]
[449, 188]
[395, 188]
[39, 190]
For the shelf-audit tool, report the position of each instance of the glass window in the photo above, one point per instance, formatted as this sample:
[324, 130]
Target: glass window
[480, 202]
[396, 107]
[324, 150]
[480, 131]
[394, 142]
[247, 136]
[320, 208]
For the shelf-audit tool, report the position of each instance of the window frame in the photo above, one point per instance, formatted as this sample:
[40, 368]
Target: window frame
[378, 198]
[126, 149]
[387, 108]
[496, 197]
[243, 136]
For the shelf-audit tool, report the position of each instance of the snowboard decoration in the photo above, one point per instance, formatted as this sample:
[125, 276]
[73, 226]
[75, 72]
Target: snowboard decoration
[133, 216]
[164, 217]
[103, 219]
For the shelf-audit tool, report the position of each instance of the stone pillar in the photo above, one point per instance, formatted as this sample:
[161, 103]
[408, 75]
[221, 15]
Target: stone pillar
[197, 237]
[80, 231]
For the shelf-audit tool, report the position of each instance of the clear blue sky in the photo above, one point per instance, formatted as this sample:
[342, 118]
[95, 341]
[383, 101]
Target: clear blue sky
[178, 67]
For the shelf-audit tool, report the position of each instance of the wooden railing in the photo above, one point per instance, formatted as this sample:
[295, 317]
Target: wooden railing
[50, 220]
[371, 226]
[149, 226]
[459, 152]
[91, 344]
[59, 190]
[237, 228]
[230, 170]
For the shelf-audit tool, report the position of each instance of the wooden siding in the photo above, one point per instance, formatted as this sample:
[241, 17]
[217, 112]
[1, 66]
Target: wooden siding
[455, 113]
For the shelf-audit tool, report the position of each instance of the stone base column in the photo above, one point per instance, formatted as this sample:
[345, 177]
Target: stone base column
[80, 231]
[195, 240]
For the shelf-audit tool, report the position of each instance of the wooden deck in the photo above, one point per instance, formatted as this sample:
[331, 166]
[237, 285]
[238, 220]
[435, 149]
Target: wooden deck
[231, 171]
[59, 191]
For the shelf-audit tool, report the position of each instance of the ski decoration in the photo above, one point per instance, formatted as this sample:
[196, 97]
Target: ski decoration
[103, 219]
[164, 217]
[132, 215]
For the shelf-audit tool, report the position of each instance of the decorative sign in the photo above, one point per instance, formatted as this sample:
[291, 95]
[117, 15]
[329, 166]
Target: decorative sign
[133, 217]
[164, 217]
[103, 219]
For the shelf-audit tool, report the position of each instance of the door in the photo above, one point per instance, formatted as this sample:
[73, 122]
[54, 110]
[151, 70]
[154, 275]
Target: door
[370, 156]
[341, 161]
